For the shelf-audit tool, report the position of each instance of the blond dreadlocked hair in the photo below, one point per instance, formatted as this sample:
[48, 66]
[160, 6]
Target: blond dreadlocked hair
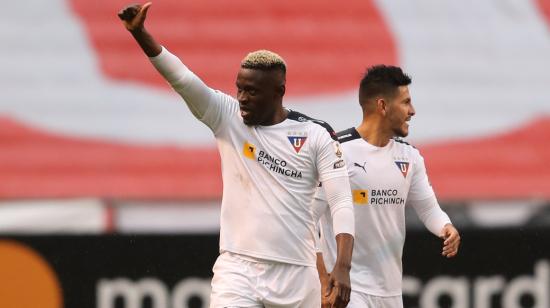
[263, 60]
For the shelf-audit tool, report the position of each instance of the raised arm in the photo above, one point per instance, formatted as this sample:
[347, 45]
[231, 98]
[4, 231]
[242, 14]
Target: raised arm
[133, 17]
[198, 96]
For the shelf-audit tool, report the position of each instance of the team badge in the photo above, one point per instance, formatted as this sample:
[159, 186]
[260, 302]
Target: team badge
[297, 142]
[249, 150]
[403, 167]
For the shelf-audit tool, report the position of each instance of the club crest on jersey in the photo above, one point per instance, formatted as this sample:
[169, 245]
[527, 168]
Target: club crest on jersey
[337, 149]
[249, 150]
[403, 167]
[297, 140]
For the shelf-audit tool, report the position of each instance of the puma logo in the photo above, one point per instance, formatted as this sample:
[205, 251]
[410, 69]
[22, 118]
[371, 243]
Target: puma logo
[361, 166]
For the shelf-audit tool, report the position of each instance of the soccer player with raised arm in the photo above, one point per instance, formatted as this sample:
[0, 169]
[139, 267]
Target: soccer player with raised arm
[272, 160]
[386, 174]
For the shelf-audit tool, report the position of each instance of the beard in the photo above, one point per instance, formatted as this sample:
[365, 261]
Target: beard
[401, 132]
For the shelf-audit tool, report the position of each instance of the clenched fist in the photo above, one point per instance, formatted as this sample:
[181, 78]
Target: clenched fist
[133, 16]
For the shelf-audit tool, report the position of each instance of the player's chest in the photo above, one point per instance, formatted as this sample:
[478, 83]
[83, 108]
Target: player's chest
[283, 153]
[380, 179]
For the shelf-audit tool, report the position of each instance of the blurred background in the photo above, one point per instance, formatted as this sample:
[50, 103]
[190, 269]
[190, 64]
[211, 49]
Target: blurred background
[110, 189]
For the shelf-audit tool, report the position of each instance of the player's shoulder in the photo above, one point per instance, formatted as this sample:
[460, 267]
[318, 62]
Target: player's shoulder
[403, 143]
[348, 135]
[315, 124]
[406, 147]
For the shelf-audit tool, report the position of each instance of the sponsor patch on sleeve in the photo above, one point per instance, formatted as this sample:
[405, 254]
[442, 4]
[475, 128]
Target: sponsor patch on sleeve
[339, 164]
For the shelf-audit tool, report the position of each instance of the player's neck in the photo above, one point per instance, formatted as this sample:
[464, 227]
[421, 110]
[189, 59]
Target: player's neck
[372, 131]
[279, 116]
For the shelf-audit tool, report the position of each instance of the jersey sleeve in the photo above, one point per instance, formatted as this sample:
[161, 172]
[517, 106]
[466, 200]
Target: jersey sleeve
[209, 106]
[431, 214]
[333, 175]
[319, 203]
[420, 185]
[329, 159]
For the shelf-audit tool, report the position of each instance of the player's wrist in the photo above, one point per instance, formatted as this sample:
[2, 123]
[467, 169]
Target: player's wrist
[137, 30]
[343, 266]
[324, 278]
[322, 273]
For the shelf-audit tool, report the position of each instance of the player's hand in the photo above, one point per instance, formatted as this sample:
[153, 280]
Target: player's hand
[324, 278]
[339, 288]
[451, 241]
[133, 16]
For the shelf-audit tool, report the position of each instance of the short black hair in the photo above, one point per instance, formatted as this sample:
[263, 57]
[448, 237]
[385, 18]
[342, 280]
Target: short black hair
[381, 80]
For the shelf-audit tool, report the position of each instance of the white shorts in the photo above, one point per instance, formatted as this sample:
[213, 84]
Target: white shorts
[240, 281]
[364, 300]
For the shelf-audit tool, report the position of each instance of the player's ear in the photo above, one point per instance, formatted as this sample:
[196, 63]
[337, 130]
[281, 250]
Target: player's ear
[281, 90]
[381, 106]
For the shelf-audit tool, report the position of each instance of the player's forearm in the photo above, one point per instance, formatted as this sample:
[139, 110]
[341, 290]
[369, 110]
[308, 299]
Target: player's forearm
[431, 214]
[147, 43]
[321, 269]
[344, 243]
[338, 195]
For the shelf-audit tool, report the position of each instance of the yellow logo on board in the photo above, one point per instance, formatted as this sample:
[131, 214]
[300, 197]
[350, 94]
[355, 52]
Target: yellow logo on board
[361, 196]
[249, 150]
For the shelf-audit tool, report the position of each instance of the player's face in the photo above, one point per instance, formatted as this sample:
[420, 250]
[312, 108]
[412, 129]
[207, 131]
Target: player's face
[259, 95]
[400, 111]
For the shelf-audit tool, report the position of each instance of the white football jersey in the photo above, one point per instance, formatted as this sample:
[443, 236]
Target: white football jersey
[270, 173]
[382, 180]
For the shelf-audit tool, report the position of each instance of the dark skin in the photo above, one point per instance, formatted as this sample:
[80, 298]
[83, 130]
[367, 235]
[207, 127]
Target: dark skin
[260, 95]
[336, 286]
